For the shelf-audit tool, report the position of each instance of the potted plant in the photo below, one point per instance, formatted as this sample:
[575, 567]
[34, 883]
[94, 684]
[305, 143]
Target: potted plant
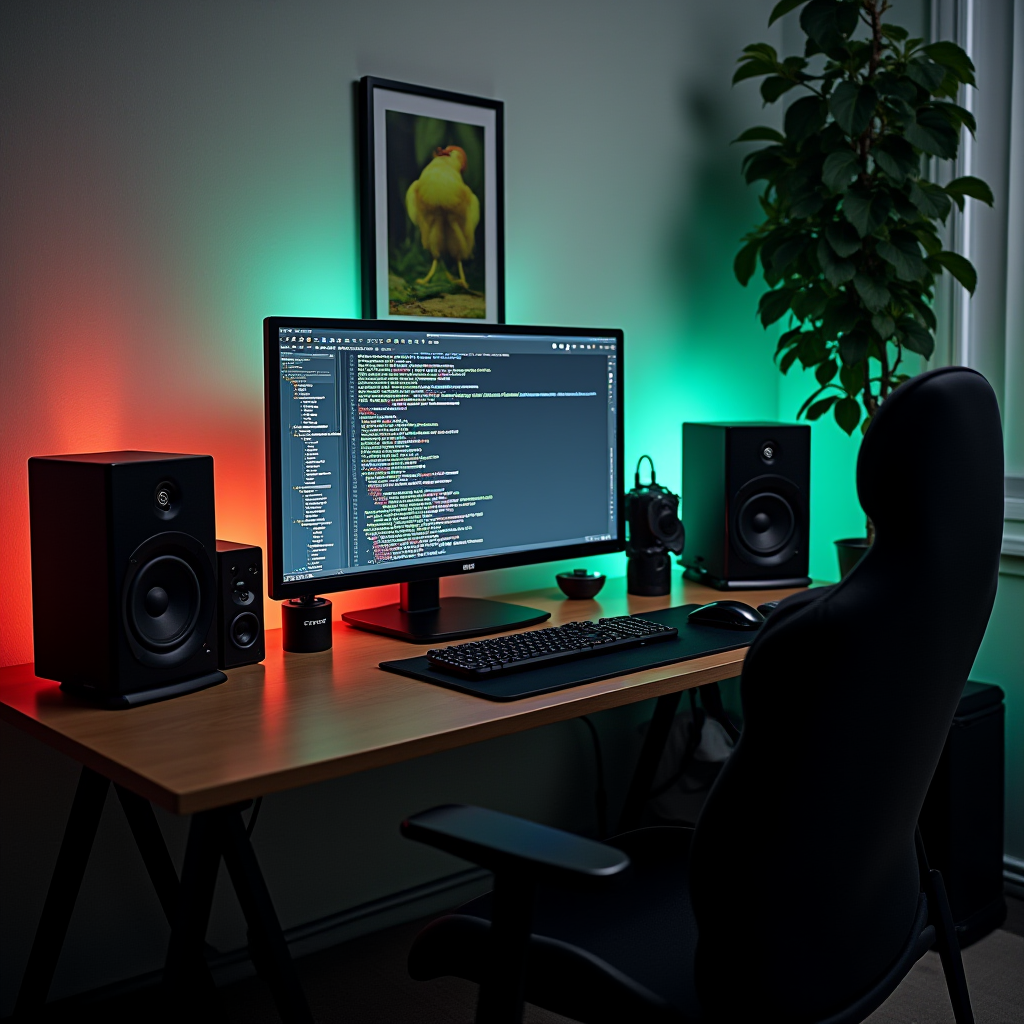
[851, 241]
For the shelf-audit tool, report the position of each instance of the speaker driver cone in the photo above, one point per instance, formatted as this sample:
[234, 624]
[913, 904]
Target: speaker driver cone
[245, 630]
[766, 523]
[163, 606]
[169, 599]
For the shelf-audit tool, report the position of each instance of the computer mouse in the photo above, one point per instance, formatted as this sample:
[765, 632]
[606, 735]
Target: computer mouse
[726, 615]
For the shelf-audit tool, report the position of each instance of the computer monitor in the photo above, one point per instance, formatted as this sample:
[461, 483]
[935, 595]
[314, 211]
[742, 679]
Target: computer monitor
[400, 453]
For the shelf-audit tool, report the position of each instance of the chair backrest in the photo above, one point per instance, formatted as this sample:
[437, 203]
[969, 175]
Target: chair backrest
[804, 874]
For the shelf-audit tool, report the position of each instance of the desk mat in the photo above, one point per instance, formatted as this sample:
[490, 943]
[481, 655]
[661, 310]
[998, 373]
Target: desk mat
[692, 642]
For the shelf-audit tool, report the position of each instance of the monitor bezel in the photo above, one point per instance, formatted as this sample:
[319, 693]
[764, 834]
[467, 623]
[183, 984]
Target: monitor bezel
[279, 590]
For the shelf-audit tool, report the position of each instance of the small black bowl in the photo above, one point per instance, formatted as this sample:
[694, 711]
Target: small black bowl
[580, 584]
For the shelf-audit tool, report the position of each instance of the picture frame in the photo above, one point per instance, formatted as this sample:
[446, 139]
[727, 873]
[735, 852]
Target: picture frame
[432, 203]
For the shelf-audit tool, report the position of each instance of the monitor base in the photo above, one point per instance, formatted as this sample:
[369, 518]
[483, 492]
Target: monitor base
[454, 618]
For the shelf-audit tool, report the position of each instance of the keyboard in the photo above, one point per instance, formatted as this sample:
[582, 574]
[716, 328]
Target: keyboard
[479, 659]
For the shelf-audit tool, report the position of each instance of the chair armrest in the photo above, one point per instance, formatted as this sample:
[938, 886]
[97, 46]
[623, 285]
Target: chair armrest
[503, 843]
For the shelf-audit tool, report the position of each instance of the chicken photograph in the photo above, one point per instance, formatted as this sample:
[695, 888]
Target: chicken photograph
[435, 180]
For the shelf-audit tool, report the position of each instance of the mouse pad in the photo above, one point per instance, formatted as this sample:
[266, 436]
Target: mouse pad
[692, 642]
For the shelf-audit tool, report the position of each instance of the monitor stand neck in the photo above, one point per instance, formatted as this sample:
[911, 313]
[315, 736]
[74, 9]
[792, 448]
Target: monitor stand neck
[421, 596]
[422, 617]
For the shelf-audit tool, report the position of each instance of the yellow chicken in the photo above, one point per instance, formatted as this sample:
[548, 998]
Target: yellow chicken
[445, 210]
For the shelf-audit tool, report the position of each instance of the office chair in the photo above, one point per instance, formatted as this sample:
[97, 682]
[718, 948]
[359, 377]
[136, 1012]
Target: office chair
[803, 893]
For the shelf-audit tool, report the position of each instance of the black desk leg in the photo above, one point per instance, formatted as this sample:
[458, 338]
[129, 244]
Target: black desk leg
[150, 842]
[75, 847]
[647, 764]
[187, 979]
[267, 944]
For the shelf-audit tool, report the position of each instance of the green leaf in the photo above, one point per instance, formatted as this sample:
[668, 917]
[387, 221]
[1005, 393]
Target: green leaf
[772, 88]
[788, 338]
[808, 204]
[852, 379]
[788, 359]
[903, 252]
[840, 316]
[808, 400]
[774, 304]
[915, 337]
[949, 88]
[847, 413]
[949, 55]
[783, 7]
[957, 116]
[839, 169]
[931, 200]
[895, 156]
[765, 50]
[873, 292]
[933, 133]
[819, 408]
[829, 22]
[804, 117]
[843, 237]
[853, 106]
[968, 185]
[809, 302]
[787, 252]
[889, 84]
[753, 67]
[927, 74]
[763, 163]
[826, 371]
[837, 271]
[884, 325]
[865, 210]
[962, 269]
[760, 134]
[928, 239]
[923, 311]
[894, 32]
[853, 347]
[746, 262]
[812, 348]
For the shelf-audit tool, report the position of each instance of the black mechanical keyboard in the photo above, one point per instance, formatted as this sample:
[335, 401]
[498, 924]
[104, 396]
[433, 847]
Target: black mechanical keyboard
[479, 658]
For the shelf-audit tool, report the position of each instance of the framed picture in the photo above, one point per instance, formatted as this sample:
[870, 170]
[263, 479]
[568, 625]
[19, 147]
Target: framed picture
[432, 201]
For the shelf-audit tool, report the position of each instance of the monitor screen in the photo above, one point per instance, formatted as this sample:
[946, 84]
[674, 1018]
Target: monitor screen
[396, 454]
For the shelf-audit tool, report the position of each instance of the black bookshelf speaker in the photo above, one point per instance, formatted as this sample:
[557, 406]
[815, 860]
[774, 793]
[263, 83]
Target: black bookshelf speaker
[746, 504]
[239, 604]
[124, 586]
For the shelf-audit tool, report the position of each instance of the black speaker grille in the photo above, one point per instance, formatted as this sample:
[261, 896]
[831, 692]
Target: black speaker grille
[164, 603]
[768, 524]
[169, 599]
[765, 523]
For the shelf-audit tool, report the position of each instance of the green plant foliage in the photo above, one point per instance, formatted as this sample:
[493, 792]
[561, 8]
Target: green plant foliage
[850, 246]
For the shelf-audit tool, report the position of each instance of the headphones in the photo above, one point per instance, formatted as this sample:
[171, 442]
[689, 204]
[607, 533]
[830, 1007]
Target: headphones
[653, 515]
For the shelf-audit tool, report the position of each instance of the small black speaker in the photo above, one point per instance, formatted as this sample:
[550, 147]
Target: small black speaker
[239, 604]
[124, 586]
[746, 504]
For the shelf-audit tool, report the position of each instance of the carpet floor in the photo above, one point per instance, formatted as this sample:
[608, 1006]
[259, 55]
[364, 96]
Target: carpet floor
[365, 982]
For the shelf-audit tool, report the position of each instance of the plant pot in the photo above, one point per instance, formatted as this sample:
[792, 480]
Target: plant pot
[851, 551]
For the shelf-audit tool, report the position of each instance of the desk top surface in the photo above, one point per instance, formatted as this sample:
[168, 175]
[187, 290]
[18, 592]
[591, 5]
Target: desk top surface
[295, 719]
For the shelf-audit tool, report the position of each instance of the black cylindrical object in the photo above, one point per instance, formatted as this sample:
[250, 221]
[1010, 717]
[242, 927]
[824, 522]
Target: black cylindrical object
[962, 818]
[306, 625]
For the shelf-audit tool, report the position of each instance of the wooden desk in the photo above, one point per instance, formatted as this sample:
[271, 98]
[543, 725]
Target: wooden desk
[290, 721]
[302, 718]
